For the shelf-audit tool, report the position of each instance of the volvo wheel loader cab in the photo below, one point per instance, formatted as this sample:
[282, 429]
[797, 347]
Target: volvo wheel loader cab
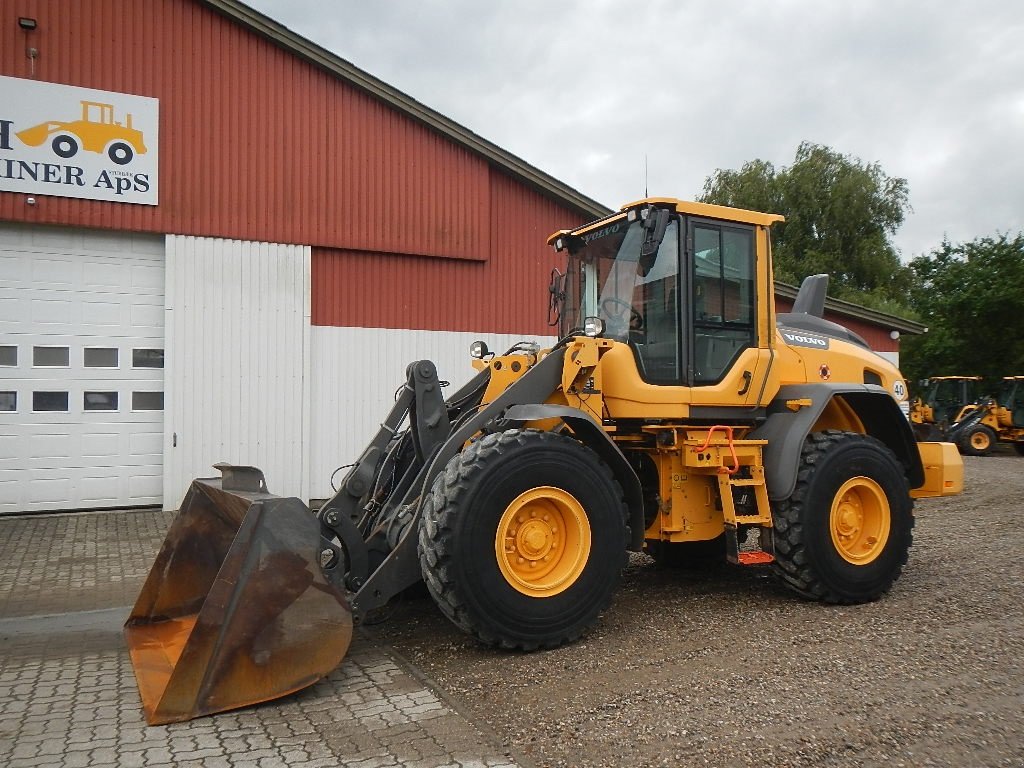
[676, 414]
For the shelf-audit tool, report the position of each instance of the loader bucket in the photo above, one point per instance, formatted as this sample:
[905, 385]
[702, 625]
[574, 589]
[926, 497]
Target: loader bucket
[236, 609]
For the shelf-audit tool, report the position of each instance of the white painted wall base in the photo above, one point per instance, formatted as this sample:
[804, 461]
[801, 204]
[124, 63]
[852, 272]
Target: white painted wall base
[238, 330]
[355, 374]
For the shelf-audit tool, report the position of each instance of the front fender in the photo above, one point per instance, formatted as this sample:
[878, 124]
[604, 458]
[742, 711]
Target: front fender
[590, 433]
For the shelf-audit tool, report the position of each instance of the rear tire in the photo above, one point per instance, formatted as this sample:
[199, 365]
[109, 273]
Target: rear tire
[978, 441]
[523, 539]
[1019, 448]
[845, 533]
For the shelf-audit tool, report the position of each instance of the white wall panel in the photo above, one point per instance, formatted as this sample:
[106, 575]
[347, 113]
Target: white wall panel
[238, 335]
[355, 372]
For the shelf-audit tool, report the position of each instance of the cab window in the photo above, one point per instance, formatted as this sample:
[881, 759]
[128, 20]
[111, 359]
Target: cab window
[657, 345]
[724, 310]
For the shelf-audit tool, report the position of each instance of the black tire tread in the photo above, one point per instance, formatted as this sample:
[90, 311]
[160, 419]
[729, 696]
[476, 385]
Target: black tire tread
[446, 500]
[792, 565]
[965, 441]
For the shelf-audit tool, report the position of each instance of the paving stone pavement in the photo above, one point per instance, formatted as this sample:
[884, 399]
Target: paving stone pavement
[68, 696]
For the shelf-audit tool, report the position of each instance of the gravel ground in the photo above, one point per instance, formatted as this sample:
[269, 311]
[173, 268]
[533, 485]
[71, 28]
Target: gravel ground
[728, 668]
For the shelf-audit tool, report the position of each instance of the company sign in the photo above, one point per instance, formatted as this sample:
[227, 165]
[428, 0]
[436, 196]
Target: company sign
[77, 142]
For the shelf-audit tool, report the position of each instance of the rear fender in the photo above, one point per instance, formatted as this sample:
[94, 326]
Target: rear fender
[796, 410]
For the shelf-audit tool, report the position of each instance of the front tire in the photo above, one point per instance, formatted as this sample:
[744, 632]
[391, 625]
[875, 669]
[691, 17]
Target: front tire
[978, 441]
[523, 539]
[845, 533]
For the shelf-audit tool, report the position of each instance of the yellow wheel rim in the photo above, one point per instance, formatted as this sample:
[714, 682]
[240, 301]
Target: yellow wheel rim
[860, 520]
[979, 441]
[543, 541]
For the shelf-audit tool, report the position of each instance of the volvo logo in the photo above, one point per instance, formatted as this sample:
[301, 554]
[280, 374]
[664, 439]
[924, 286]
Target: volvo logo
[805, 340]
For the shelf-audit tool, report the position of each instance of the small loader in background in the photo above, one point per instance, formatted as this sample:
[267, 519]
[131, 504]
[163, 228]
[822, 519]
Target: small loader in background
[979, 426]
[942, 404]
[676, 414]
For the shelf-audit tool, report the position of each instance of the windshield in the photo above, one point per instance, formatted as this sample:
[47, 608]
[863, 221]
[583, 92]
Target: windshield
[606, 278]
[624, 275]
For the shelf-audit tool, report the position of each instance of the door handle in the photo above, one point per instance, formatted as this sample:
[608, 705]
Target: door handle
[747, 378]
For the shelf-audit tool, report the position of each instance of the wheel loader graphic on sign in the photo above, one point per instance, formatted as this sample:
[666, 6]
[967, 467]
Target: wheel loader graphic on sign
[97, 131]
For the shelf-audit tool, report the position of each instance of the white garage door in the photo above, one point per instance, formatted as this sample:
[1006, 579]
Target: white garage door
[81, 368]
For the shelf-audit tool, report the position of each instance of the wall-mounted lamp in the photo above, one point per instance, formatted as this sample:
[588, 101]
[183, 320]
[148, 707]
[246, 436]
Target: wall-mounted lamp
[894, 335]
[29, 24]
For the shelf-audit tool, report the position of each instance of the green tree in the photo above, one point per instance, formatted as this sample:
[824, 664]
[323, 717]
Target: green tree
[969, 295]
[840, 215]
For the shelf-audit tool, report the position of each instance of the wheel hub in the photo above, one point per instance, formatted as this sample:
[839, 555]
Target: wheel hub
[543, 541]
[535, 539]
[860, 520]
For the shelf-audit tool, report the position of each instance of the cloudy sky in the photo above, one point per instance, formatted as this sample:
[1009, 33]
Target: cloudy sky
[584, 90]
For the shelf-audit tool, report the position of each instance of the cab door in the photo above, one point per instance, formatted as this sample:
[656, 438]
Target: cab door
[704, 326]
[728, 355]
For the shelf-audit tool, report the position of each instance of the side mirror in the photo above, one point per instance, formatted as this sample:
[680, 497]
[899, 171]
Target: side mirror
[557, 290]
[654, 232]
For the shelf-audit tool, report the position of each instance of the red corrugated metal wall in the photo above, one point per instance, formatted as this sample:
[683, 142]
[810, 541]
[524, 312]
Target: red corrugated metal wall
[255, 143]
[409, 229]
[877, 337]
[507, 294]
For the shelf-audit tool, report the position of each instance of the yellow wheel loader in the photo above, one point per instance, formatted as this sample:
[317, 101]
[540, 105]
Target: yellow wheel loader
[942, 403]
[676, 414]
[979, 426]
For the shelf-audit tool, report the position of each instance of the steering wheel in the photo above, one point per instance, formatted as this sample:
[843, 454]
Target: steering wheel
[617, 308]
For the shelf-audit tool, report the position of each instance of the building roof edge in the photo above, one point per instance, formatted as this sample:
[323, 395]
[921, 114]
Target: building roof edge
[321, 57]
[849, 309]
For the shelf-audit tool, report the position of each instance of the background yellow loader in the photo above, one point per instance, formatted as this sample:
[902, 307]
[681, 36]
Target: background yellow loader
[979, 426]
[676, 414]
[941, 403]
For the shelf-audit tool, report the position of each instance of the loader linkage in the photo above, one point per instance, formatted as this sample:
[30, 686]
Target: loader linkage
[369, 525]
